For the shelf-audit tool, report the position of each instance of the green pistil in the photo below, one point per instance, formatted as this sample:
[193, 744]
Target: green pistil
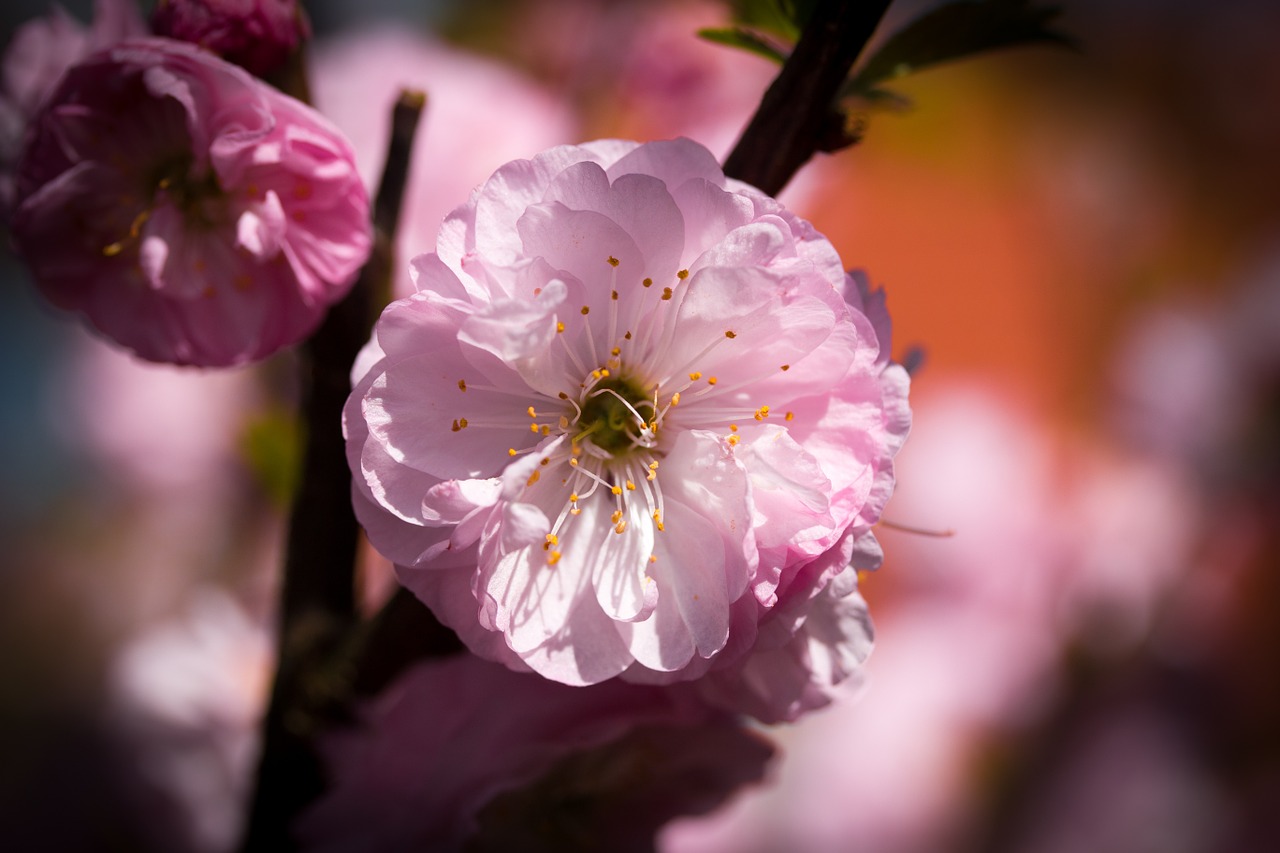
[607, 421]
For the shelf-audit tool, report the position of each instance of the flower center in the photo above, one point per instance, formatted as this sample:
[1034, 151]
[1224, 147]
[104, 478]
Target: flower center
[613, 416]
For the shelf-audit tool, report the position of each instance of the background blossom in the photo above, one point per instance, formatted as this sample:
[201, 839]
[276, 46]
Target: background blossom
[421, 763]
[236, 213]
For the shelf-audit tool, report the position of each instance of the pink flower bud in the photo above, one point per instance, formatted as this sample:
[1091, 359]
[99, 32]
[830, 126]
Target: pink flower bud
[255, 34]
[192, 213]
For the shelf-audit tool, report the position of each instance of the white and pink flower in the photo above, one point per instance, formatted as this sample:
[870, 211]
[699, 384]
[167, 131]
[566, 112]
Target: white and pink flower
[192, 213]
[635, 419]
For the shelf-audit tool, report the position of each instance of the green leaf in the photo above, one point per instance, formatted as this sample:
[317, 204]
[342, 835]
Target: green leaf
[744, 40]
[956, 31]
[271, 445]
[782, 18]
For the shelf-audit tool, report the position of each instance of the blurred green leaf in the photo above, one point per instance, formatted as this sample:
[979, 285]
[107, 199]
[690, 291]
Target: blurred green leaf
[272, 444]
[744, 40]
[782, 18]
[954, 31]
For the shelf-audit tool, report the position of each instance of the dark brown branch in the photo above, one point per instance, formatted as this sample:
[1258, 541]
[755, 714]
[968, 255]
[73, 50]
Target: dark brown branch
[317, 604]
[797, 114]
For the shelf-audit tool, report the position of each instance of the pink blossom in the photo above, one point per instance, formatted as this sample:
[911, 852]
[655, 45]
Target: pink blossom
[192, 213]
[629, 414]
[454, 735]
[190, 692]
[257, 35]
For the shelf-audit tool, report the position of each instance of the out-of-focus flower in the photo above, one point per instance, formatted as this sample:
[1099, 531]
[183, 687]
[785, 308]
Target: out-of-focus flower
[479, 116]
[973, 630]
[192, 213]
[257, 35]
[633, 409]
[159, 430]
[462, 745]
[190, 693]
[41, 50]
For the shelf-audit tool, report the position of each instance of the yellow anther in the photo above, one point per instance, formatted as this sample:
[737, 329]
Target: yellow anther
[789, 416]
[666, 293]
[615, 352]
[564, 422]
[553, 557]
[559, 327]
[552, 539]
[533, 428]
[617, 490]
[620, 527]
[576, 449]
[545, 429]
[613, 295]
[627, 336]
[733, 440]
[462, 384]
[575, 511]
[573, 463]
[613, 262]
[733, 427]
[511, 451]
[604, 371]
[616, 517]
[586, 309]
[682, 275]
[711, 380]
[546, 460]
[573, 497]
[786, 367]
[648, 282]
[531, 412]
[631, 487]
[533, 478]
[731, 334]
[653, 466]
[653, 558]
[675, 399]
[695, 376]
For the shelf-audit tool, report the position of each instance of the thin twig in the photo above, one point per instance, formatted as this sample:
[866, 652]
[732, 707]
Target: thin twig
[317, 604]
[797, 114]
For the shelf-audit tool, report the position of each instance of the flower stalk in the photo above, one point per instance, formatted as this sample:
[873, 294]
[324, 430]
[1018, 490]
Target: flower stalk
[317, 603]
[797, 116]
